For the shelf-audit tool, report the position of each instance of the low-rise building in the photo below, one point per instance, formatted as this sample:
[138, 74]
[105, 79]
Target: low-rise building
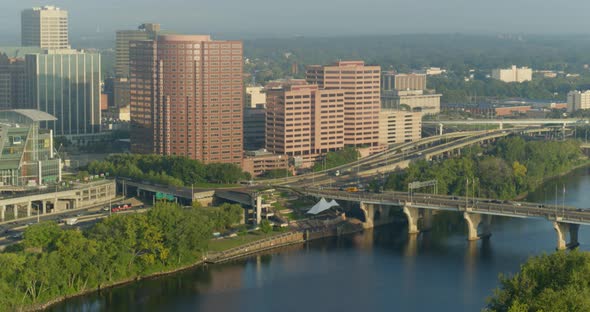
[513, 74]
[398, 126]
[261, 161]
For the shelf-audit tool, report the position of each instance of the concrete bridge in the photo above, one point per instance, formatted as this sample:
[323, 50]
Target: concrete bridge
[477, 212]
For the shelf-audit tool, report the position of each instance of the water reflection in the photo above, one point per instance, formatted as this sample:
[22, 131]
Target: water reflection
[381, 270]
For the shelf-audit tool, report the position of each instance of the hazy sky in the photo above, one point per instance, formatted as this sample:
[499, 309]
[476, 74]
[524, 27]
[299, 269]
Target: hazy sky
[314, 17]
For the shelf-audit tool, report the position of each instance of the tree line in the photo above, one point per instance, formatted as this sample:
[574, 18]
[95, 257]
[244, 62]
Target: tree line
[52, 262]
[504, 170]
[167, 170]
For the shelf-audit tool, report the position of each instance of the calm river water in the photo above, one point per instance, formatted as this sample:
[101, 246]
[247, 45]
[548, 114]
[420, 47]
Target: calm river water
[380, 270]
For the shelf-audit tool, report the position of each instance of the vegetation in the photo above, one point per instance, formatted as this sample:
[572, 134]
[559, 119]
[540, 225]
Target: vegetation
[458, 53]
[338, 158]
[168, 170]
[504, 170]
[277, 173]
[456, 90]
[556, 282]
[52, 262]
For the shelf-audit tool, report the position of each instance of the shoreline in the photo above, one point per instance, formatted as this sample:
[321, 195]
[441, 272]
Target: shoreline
[204, 260]
[547, 179]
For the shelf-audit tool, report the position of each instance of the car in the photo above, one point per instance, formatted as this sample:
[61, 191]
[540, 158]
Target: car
[455, 198]
[495, 201]
[541, 206]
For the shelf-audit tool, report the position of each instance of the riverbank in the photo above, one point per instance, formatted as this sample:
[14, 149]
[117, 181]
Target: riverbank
[248, 249]
[584, 164]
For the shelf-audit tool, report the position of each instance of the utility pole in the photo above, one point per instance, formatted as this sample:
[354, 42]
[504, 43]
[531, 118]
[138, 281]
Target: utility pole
[563, 202]
[555, 201]
[466, 193]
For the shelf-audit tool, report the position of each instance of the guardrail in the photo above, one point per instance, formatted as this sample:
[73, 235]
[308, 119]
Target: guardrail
[255, 246]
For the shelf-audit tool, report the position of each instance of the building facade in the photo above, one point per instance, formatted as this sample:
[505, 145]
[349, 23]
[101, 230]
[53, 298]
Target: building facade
[255, 97]
[303, 121]
[254, 128]
[186, 95]
[418, 100]
[123, 38]
[12, 83]
[402, 82]
[65, 84]
[513, 74]
[45, 27]
[260, 161]
[577, 100]
[397, 126]
[361, 86]
[27, 156]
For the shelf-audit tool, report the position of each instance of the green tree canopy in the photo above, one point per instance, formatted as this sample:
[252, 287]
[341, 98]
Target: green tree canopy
[556, 282]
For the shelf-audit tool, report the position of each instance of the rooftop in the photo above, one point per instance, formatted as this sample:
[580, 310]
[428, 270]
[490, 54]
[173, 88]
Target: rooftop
[31, 114]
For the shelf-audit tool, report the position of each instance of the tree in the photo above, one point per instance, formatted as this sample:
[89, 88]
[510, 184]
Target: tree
[265, 226]
[42, 235]
[555, 282]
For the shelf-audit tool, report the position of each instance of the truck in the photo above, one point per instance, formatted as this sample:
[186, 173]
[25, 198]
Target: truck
[71, 221]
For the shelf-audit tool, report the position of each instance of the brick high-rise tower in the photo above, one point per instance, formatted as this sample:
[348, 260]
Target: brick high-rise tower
[186, 97]
[361, 86]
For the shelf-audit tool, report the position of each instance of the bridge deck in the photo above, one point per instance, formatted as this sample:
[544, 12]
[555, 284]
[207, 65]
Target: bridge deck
[461, 204]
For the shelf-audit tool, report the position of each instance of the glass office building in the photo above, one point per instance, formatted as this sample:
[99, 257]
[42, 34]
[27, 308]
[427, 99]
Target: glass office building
[65, 84]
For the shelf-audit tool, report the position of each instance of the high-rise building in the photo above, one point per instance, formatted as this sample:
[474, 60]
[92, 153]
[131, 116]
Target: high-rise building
[123, 38]
[302, 120]
[12, 82]
[360, 84]
[396, 126]
[577, 100]
[65, 84]
[45, 27]
[403, 82]
[187, 97]
[513, 74]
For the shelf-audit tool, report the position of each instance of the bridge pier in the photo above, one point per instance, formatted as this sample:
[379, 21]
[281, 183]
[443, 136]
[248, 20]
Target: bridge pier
[15, 210]
[427, 217]
[562, 229]
[473, 221]
[29, 209]
[369, 213]
[440, 129]
[416, 214]
[3, 212]
[413, 215]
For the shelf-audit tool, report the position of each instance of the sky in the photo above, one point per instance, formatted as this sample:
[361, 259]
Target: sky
[277, 18]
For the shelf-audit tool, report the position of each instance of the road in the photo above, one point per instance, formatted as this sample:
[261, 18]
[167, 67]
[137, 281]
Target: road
[462, 204]
[12, 231]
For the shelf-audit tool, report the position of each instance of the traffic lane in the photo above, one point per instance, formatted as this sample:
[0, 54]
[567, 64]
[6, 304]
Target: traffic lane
[95, 215]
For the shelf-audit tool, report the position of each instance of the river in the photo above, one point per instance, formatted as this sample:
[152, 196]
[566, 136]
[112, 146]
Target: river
[379, 270]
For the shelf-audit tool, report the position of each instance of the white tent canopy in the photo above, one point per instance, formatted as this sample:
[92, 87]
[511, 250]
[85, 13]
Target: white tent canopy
[322, 205]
